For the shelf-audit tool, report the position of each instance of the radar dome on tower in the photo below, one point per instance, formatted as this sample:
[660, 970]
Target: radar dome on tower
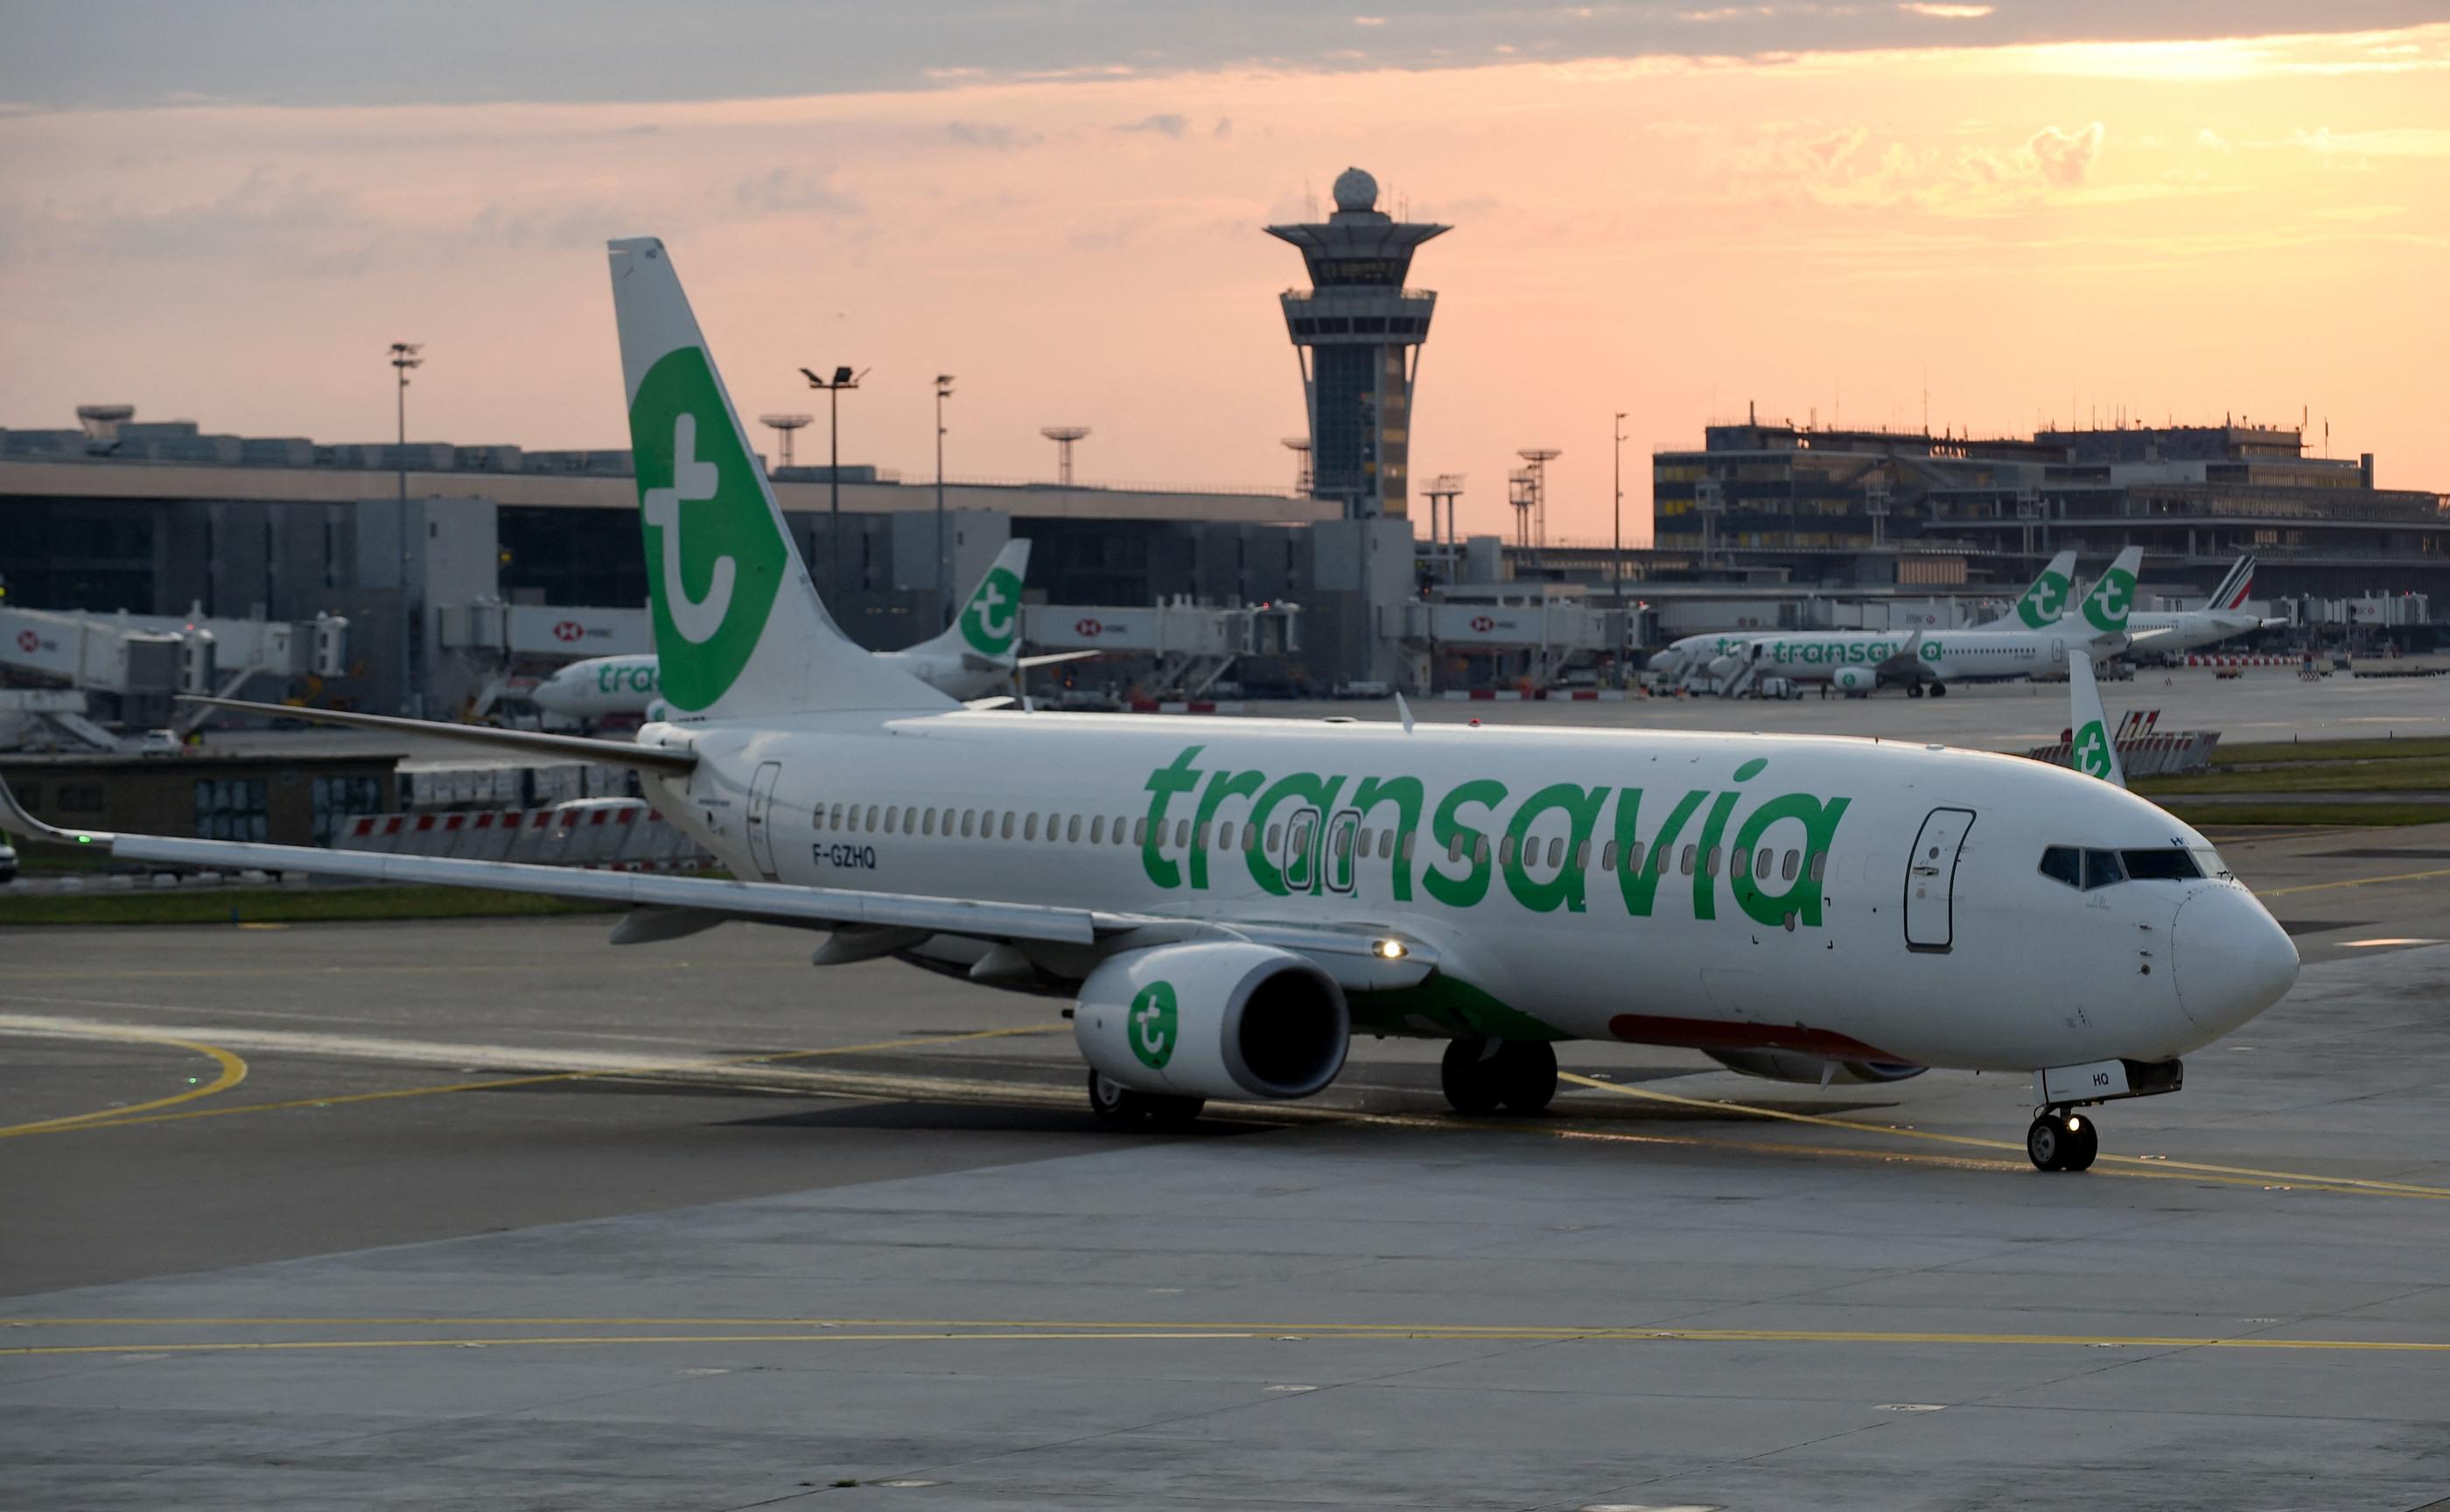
[1356, 190]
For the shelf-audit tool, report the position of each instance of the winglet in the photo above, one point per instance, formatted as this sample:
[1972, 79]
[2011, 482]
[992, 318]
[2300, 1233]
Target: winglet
[15, 821]
[2091, 750]
[1404, 712]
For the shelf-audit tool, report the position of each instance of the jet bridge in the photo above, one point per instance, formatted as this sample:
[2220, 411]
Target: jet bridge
[1529, 632]
[1193, 646]
[138, 661]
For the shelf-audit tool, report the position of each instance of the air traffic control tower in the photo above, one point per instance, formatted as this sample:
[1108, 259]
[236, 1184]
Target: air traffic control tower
[1358, 331]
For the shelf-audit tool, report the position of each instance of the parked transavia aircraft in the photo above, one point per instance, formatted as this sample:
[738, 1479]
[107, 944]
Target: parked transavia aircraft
[1857, 662]
[1229, 901]
[971, 660]
[2039, 606]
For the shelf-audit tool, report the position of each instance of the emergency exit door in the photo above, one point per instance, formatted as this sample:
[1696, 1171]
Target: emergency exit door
[760, 825]
[1930, 879]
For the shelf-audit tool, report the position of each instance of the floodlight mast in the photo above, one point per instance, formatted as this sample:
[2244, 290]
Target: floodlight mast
[1299, 446]
[843, 378]
[405, 360]
[1063, 436]
[943, 574]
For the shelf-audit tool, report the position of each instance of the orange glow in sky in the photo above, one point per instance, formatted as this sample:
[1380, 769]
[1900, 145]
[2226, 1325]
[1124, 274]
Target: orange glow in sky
[2010, 235]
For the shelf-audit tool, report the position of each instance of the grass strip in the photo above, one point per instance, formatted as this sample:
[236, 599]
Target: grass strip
[2324, 816]
[282, 905]
[2270, 753]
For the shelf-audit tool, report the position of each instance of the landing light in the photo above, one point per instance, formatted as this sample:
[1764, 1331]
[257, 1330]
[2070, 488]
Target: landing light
[1389, 950]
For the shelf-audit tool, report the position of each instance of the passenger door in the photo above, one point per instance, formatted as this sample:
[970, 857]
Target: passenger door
[1931, 881]
[1299, 862]
[761, 806]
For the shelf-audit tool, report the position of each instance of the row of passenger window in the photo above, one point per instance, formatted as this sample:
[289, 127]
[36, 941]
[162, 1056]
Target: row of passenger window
[2088, 869]
[1098, 829]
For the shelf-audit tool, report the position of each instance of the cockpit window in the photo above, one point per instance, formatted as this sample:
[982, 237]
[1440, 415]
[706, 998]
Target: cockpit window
[2212, 865]
[2101, 869]
[2065, 863]
[2171, 865]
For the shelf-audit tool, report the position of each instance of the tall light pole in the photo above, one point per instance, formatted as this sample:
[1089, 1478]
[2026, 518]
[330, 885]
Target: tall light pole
[843, 378]
[1616, 563]
[944, 589]
[405, 359]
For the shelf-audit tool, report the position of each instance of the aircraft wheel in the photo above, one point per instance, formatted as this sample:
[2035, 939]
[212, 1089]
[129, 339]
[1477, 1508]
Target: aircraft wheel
[1940, 689]
[1472, 1076]
[1116, 1104]
[1914, 689]
[2087, 1144]
[2059, 1140]
[1526, 1075]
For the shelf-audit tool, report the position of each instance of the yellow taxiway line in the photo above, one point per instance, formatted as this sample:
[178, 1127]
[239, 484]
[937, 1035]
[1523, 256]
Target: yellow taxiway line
[2116, 1165]
[233, 1071]
[2353, 881]
[891, 1330]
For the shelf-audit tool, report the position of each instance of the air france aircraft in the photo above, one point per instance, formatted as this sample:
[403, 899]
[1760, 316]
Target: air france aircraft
[970, 660]
[1228, 901]
[1857, 662]
[2223, 614]
[2038, 606]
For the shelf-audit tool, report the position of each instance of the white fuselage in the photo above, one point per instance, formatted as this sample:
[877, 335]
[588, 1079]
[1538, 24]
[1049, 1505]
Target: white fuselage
[2189, 629]
[1941, 657]
[1968, 957]
[609, 687]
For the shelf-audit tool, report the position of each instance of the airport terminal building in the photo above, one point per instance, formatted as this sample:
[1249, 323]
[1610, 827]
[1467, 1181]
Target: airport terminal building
[1818, 504]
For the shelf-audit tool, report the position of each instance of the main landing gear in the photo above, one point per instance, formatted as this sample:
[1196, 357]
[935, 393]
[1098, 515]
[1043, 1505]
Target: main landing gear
[1478, 1075]
[1126, 1108]
[2062, 1140]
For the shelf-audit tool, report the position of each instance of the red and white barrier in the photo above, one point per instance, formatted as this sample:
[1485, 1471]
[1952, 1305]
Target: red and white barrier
[1513, 695]
[2242, 661]
[1189, 706]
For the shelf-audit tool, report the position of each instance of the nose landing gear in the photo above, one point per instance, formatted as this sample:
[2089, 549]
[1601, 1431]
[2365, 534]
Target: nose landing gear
[2061, 1139]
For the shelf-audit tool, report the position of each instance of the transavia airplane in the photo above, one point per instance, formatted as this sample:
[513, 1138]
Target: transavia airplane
[1857, 662]
[1229, 901]
[969, 661]
[2223, 615]
[2038, 606]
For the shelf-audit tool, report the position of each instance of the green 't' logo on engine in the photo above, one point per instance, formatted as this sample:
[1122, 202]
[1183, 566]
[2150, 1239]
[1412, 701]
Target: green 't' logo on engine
[2091, 751]
[993, 617]
[714, 558]
[2045, 601]
[2106, 606]
[1151, 1024]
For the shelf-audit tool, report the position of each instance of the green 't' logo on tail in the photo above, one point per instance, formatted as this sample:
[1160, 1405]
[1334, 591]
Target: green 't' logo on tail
[2044, 602]
[992, 618]
[2107, 606]
[2091, 751]
[1151, 1025]
[714, 559]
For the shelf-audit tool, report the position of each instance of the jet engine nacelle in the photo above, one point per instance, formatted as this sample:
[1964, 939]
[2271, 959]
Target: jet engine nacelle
[1214, 1019]
[1855, 679]
[1723, 665]
[1794, 1065]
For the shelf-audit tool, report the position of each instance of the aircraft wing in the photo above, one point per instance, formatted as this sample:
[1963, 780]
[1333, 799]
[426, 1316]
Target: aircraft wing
[533, 743]
[1051, 657]
[1359, 955]
[2139, 637]
[1907, 662]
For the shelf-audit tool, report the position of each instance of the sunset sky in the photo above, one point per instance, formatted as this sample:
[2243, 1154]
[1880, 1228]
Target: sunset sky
[2010, 213]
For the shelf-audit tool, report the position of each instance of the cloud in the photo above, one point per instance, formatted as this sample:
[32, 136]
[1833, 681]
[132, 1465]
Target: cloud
[2403, 141]
[2211, 139]
[1945, 12]
[1166, 124]
[2065, 158]
[991, 136]
[790, 191]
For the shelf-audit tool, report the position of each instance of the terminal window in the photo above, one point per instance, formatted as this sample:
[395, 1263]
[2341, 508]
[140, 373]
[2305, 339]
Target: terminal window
[231, 808]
